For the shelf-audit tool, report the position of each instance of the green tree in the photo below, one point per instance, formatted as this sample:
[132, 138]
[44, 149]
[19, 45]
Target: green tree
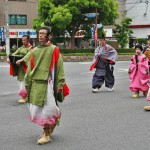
[69, 14]
[142, 40]
[123, 32]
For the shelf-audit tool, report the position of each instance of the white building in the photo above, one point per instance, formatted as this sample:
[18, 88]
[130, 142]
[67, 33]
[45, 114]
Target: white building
[139, 12]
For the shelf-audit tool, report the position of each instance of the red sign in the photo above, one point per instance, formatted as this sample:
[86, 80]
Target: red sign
[13, 33]
[95, 35]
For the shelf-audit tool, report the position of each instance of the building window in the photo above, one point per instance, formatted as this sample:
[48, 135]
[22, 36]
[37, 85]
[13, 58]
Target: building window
[17, 19]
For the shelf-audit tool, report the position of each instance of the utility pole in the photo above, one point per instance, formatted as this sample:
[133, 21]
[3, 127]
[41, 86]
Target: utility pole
[96, 30]
[7, 29]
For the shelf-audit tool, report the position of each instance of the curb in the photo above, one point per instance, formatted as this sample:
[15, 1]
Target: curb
[81, 58]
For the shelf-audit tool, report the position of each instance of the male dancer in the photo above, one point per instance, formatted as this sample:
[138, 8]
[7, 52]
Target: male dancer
[104, 59]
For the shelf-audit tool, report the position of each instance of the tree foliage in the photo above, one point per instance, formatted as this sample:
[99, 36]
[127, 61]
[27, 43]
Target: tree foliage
[69, 14]
[123, 32]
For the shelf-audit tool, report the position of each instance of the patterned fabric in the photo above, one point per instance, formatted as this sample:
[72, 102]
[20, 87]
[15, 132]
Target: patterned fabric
[107, 53]
[49, 114]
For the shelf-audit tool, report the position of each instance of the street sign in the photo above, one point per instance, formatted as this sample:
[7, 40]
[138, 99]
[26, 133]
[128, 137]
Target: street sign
[18, 33]
[92, 33]
[98, 25]
[2, 34]
[90, 15]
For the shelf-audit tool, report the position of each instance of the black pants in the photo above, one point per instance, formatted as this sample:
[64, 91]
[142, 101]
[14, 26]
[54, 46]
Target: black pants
[107, 76]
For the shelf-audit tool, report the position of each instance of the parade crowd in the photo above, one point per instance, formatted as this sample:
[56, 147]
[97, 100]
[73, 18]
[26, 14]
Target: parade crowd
[42, 83]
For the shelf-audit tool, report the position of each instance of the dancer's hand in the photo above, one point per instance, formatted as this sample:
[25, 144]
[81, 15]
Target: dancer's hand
[59, 89]
[19, 61]
[8, 60]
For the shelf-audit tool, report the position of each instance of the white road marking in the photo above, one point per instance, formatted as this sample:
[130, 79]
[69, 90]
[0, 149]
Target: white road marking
[90, 72]
[123, 70]
[120, 62]
[4, 66]
[120, 77]
[84, 63]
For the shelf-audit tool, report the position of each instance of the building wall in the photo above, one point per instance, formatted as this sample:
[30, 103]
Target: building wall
[122, 8]
[28, 8]
[141, 32]
[135, 9]
[2, 10]
[139, 12]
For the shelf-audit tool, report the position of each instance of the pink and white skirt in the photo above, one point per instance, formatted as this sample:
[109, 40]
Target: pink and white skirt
[47, 115]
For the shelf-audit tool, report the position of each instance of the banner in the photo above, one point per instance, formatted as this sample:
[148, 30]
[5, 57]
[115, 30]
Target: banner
[92, 33]
[18, 33]
[95, 34]
[2, 34]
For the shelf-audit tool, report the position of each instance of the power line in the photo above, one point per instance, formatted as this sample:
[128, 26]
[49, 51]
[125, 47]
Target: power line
[136, 3]
[124, 3]
[146, 2]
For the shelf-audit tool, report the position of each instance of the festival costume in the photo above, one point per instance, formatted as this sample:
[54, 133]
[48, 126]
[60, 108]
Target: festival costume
[145, 48]
[20, 70]
[147, 53]
[104, 59]
[44, 76]
[139, 74]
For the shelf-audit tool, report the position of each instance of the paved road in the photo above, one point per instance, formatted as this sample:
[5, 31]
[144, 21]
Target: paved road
[101, 121]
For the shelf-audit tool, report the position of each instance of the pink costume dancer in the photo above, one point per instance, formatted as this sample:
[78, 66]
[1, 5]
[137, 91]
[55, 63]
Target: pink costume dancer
[139, 73]
[147, 53]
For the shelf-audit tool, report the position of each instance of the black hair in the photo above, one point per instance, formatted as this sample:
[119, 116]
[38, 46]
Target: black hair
[27, 36]
[139, 46]
[102, 36]
[47, 28]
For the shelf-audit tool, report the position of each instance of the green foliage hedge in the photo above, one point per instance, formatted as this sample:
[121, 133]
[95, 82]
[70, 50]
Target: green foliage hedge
[77, 52]
[66, 51]
[141, 40]
[120, 51]
[2, 53]
[127, 50]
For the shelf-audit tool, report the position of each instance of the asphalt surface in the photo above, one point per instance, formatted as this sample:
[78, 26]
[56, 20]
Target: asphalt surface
[100, 121]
